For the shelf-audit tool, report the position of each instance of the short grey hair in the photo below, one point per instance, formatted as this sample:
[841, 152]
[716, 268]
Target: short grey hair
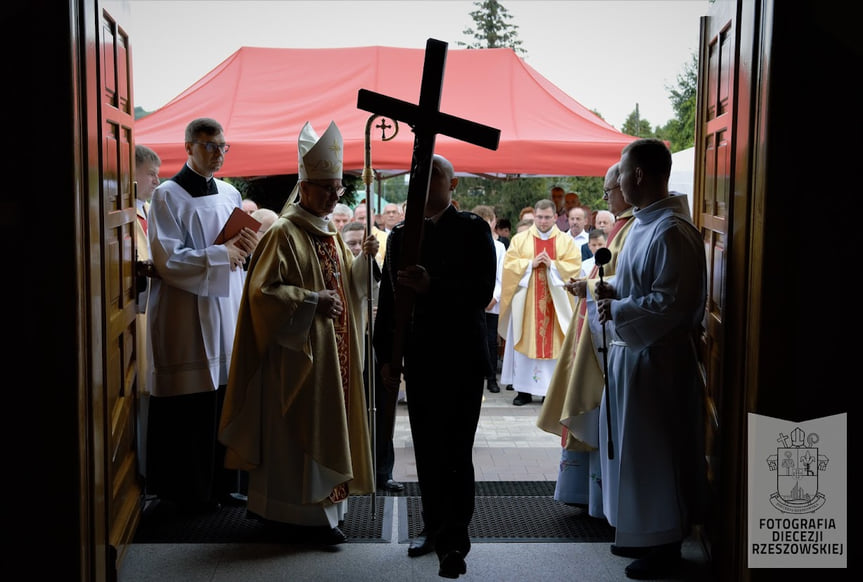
[343, 210]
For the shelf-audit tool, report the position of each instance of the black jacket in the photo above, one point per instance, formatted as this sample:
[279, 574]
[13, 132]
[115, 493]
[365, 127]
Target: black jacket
[447, 331]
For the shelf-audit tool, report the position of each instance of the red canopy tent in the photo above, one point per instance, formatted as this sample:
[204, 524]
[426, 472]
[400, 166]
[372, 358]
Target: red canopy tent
[263, 96]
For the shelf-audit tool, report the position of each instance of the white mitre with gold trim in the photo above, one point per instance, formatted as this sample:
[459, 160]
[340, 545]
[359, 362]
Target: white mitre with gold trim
[319, 158]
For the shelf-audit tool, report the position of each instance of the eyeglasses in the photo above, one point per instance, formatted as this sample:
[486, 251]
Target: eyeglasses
[338, 191]
[608, 191]
[213, 147]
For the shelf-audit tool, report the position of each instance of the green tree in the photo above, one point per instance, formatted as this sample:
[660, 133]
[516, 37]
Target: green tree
[509, 195]
[636, 125]
[492, 28]
[680, 131]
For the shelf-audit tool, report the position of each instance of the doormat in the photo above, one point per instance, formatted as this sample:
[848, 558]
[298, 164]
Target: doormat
[506, 511]
[502, 518]
[161, 524]
[489, 488]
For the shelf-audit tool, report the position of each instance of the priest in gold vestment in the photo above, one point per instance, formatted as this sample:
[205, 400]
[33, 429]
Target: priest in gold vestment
[295, 413]
[535, 309]
[571, 407]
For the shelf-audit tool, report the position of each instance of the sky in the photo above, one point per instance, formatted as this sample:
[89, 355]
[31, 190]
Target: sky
[608, 55]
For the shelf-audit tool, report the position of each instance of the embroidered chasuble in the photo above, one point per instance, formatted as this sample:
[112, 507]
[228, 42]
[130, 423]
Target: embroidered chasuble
[295, 413]
[578, 381]
[540, 313]
[325, 247]
[543, 304]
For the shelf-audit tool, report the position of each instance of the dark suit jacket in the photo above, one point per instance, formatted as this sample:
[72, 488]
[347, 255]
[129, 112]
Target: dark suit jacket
[447, 334]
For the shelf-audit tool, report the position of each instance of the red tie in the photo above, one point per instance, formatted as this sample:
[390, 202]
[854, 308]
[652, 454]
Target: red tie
[143, 222]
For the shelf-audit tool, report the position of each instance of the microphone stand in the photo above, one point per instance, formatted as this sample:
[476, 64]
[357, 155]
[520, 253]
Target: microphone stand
[604, 351]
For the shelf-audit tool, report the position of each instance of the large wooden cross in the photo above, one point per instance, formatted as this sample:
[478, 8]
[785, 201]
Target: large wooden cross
[426, 121]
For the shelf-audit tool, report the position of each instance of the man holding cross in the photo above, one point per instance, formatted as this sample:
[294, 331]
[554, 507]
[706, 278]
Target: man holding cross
[430, 280]
[453, 282]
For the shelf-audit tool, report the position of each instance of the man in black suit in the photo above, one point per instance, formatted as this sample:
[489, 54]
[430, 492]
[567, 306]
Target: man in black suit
[445, 360]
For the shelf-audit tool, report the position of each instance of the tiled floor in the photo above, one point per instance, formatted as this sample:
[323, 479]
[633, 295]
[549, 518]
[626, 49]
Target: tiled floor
[508, 447]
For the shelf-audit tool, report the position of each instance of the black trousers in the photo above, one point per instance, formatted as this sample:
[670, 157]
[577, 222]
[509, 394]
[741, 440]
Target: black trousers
[185, 460]
[444, 408]
[491, 320]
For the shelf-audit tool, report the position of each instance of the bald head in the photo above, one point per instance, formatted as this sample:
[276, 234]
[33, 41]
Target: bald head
[613, 195]
[441, 186]
[645, 166]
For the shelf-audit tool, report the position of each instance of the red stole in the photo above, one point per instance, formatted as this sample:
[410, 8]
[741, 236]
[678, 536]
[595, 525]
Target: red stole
[543, 305]
[329, 258]
[618, 224]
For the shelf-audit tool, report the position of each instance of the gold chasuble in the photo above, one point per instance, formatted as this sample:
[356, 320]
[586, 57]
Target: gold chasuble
[542, 311]
[578, 381]
[295, 404]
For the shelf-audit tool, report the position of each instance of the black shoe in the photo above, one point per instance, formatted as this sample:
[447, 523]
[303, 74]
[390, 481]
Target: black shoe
[306, 535]
[393, 486]
[323, 535]
[452, 565]
[421, 545]
[659, 562]
[522, 398]
[509, 387]
[630, 551]
[330, 536]
[492, 386]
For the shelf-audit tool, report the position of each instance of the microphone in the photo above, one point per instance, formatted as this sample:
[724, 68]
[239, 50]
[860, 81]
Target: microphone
[602, 256]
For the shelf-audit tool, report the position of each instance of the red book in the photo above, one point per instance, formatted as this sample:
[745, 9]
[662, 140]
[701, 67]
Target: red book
[238, 219]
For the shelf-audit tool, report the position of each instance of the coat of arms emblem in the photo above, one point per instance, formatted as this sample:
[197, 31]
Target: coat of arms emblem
[797, 467]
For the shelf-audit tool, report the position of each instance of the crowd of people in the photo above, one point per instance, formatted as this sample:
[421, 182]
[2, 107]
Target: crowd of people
[260, 354]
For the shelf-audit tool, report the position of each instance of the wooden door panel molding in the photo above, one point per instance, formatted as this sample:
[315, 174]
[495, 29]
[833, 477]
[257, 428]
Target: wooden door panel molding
[715, 125]
[119, 392]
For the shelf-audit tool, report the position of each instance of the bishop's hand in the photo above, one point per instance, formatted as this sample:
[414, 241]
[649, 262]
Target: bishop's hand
[330, 304]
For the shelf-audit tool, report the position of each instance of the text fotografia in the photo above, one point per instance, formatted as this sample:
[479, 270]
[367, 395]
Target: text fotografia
[797, 536]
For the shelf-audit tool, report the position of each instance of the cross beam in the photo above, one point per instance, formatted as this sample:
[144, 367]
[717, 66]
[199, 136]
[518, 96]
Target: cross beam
[426, 121]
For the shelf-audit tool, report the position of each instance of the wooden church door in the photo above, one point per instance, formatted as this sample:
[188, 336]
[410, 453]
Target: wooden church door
[722, 212]
[115, 398]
